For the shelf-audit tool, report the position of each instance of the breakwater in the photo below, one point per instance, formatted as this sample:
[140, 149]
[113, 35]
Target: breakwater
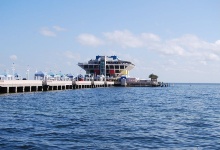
[16, 86]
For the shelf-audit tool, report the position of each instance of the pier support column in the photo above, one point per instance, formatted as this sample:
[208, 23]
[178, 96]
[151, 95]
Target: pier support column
[3, 89]
[11, 89]
[45, 88]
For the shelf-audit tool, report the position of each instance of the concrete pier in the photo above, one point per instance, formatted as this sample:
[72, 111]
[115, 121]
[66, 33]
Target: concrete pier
[141, 83]
[16, 86]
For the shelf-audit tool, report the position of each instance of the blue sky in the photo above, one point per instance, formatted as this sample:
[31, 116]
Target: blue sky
[179, 40]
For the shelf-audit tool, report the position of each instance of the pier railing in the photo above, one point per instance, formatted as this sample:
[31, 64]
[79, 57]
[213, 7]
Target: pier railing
[14, 86]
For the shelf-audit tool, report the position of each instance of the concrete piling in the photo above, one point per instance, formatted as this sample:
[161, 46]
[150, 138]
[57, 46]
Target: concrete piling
[19, 86]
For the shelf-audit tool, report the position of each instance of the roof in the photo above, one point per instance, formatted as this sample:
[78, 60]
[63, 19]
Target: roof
[51, 74]
[70, 75]
[40, 74]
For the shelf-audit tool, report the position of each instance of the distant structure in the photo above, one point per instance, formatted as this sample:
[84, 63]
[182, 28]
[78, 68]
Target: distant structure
[6, 76]
[109, 66]
[153, 77]
[39, 75]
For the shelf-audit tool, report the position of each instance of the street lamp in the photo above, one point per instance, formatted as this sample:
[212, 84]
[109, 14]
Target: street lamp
[13, 71]
[28, 72]
[105, 68]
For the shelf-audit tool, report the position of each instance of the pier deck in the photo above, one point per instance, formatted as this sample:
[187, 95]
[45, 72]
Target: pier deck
[15, 86]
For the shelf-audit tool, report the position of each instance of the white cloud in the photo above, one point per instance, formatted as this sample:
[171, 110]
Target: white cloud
[58, 28]
[89, 39]
[123, 38]
[47, 32]
[217, 42]
[203, 62]
[13, 57]
[213, 57]
[188, 46]
[71, 55]
[171, 62]
[150, 37]
[169, 48]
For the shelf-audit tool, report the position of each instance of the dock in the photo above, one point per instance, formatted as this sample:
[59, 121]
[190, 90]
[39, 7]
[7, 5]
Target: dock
[141, 83]
[19, 86]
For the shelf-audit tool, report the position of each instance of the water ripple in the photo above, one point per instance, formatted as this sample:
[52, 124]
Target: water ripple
[179, 117]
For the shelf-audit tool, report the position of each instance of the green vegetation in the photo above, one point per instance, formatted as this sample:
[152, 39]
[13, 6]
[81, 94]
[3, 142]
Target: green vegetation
[153, 76]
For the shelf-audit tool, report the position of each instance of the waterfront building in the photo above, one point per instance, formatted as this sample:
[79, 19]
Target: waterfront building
[39, 75]
[109, 66]
[6, 76]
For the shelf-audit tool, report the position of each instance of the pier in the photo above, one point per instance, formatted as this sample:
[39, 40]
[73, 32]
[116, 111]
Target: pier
[18, 86]
[103, 71]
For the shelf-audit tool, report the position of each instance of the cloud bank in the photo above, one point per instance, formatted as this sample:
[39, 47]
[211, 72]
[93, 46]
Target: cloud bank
[187, 46]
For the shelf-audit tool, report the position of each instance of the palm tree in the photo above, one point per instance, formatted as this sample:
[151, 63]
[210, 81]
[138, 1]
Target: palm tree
[153, 77]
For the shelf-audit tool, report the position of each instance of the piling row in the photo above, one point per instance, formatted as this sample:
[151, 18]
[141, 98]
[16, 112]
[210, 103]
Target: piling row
[14, 86]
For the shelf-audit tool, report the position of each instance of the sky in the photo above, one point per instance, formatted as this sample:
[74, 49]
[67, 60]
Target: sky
[178, 40]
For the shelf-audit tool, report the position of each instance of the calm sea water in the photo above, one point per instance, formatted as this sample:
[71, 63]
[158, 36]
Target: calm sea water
[182, 116]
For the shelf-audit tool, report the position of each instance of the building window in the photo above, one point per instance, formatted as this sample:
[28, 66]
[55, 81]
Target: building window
[117, 71]
[122, 67]
[90, 66]
[96, 66]
[116, 67]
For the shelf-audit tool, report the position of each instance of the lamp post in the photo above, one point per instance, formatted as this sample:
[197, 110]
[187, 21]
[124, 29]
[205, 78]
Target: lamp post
[105, 68]
[28, 72]
[13, 71]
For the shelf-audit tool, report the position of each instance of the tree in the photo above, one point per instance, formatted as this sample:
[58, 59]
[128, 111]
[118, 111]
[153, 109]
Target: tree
[153, 76]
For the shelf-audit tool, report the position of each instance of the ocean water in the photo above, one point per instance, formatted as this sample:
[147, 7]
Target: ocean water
[183, 116]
